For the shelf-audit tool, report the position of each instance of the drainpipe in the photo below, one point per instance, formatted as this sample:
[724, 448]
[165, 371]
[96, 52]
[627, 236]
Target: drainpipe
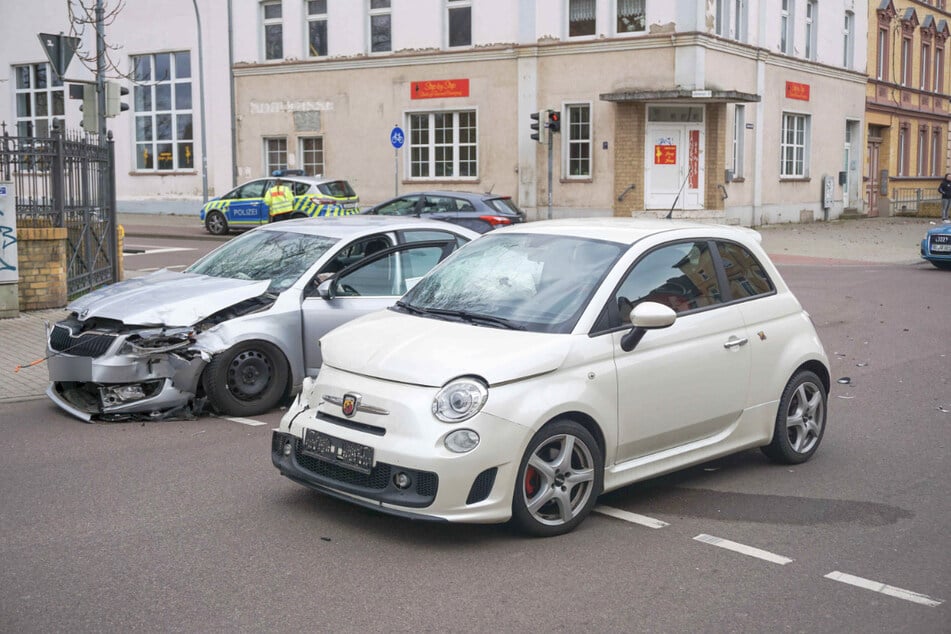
[234, 133]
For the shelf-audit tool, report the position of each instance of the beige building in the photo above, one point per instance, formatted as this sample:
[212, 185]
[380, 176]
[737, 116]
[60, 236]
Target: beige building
[737, 111]
[907, 104]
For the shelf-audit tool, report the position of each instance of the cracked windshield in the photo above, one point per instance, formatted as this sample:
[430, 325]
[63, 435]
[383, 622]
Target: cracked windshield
[535, 282]
[279, 256]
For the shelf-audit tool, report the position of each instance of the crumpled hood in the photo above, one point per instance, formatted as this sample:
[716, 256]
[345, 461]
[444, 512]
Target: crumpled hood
[166, 298]
[422, 351]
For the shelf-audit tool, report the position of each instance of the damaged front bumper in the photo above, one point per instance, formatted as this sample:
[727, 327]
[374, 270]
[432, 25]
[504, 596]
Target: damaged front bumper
[141, 375]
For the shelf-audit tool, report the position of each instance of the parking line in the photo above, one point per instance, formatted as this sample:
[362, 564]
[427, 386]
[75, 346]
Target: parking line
[743, 549]
[634, 518]
[243, 421]
[882, 588]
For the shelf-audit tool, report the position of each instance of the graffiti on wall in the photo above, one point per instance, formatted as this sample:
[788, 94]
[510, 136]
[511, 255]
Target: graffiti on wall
[8, 239]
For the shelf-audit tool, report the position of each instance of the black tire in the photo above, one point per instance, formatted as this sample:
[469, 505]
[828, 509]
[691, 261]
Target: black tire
[574, 466]
[298, 214]
[944, 266]
[216, 224]
[247, 379]
[800, 421]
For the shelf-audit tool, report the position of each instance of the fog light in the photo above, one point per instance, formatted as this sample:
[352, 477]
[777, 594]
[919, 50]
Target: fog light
[402, 480]
[121, 393]
[288, 448]
[462, 440]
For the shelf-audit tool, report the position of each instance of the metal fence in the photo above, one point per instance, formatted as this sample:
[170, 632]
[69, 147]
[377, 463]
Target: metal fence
[908, 199]
[68, 180]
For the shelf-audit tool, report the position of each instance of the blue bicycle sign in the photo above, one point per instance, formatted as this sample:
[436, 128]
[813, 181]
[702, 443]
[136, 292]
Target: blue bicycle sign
[397, 138]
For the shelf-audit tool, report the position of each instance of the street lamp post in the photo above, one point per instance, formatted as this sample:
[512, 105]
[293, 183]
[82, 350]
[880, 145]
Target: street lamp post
[201, 97]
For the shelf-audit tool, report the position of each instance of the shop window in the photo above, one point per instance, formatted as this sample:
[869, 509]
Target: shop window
[443, 145]
[316, 28]
[273, 24]
[162, 105]
[459, 19]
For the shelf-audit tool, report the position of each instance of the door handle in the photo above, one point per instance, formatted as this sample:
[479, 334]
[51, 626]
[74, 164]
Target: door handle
[734, 342]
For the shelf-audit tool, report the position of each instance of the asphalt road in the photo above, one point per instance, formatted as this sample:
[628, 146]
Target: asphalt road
[184, 526]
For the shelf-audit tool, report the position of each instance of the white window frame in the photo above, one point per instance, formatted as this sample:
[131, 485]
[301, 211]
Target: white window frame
[431, 146]
[311, 19]
[739, 20]
[306, 163]
[787, 18]
[275, 152]
[374, 13]
[793, 151]
[53, 93]
[572, 138]
[174, 117]
[624, 5]
[812, 28]
[848, 40]
[568, 12]
[455, 5]
[739, 138]
[271, 22]
[721, 18]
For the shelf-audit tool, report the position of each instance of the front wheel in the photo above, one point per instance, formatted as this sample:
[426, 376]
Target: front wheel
[216, 224]
[558, 480]
[800, 421]
[247, 379]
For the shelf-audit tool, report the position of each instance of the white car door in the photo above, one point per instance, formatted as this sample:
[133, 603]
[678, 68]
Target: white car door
[689, 382]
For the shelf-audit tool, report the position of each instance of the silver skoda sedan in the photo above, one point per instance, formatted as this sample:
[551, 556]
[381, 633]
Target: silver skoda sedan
[236, 331]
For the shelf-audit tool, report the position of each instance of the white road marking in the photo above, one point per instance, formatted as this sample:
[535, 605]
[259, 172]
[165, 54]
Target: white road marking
[634, 518]
[743, 549]
[153, 250]
[891, 591]
[243, 421]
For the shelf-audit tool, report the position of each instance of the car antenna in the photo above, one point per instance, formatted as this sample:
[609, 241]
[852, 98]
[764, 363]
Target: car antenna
[491, 188]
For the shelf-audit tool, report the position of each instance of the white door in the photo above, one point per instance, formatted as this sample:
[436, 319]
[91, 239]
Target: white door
[673, 166]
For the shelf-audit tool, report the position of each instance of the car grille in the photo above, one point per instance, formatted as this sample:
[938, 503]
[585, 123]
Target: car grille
[482, 486]
[378, 480]
[84, 345]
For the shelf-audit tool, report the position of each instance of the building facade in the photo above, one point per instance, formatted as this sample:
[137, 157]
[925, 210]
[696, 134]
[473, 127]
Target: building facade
[908, 104]
[741, 111]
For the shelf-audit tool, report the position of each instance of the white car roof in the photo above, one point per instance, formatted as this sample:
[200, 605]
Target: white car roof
[358, 224]
[630, 230]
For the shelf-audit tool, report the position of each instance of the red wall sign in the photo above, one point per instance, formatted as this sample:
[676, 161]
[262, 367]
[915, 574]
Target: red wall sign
[797, 91]
[439, 89]
[665, 155]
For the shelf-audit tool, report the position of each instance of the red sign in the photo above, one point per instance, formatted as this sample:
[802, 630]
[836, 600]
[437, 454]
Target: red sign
[797, 91]
[439, 89]
[665, 155]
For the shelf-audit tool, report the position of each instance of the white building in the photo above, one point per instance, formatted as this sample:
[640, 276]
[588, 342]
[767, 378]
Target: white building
[745, 111]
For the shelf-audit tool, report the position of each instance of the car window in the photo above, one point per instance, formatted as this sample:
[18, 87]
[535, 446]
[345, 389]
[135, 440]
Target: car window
[745, 275]
[279, 256]
[421, 235]
[439, 204]
[680, 275]
[399, 207]
[392, 275]
[337, 189]
[254, 189]
[503, 205]
[356, 251]
[298, 187]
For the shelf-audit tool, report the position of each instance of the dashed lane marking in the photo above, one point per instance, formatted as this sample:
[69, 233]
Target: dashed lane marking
[627, 516]
[244, 421]
[882, 588]
[743, 549]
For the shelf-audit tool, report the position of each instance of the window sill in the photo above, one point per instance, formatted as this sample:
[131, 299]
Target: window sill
[738, 179]
[440, 181]
[163, 173]
[794, 179]
[579, 179]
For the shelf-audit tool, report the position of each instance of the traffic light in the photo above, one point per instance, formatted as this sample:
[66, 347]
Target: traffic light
[536, 126]
[114, 93]
[554, 121]
[90, 109]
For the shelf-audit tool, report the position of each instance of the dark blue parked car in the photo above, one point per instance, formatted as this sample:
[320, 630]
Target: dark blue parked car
[479, 212]
[936, 246]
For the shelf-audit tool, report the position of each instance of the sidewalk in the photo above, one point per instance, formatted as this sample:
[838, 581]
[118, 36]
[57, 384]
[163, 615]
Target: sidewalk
[846, 242]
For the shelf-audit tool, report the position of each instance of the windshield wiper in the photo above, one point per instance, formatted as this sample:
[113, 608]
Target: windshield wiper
[473, 318]
[410, 309]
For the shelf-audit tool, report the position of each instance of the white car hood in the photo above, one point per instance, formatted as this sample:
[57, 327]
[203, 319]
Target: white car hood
[422, 351]
[166, 298]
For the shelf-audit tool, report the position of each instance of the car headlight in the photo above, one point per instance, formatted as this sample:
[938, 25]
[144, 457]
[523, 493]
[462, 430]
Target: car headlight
[460, 400]
[155, 342]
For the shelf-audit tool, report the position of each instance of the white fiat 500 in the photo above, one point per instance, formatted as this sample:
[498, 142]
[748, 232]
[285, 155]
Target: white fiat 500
[544, 364]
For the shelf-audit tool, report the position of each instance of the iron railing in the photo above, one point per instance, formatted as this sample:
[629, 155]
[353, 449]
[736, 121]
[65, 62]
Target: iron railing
[68, 180]
[906, 200]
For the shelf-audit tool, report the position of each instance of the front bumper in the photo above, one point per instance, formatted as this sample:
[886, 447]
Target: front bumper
[937, 241]
[476, 486]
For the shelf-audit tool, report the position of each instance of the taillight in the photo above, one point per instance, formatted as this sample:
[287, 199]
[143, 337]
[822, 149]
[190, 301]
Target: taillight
[496, 221]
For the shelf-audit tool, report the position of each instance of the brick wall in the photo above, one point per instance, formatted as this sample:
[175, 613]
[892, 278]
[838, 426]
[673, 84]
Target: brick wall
[41, 252]
[629, 157]
[715, 155]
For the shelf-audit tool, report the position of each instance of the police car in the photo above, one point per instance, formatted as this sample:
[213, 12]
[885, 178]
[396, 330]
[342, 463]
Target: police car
[244, 207]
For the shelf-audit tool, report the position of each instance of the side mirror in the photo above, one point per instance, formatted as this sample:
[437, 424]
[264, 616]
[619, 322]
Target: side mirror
[647, 316]
[326, 289]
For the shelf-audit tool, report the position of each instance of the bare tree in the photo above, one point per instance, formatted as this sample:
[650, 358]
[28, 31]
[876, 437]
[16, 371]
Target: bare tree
[82, 16]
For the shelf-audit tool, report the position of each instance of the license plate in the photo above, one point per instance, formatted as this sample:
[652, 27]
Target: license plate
[941, 247]
[338, 451]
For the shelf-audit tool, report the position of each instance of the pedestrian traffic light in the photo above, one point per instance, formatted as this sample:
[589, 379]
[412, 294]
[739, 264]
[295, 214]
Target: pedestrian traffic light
[554, 121]
[114, 93]
[90, 109]
[536, 126]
